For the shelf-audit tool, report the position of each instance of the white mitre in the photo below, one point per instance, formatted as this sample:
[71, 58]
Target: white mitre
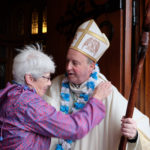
[90, 41]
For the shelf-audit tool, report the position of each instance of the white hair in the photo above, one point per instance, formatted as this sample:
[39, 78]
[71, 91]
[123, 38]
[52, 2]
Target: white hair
[31, 60]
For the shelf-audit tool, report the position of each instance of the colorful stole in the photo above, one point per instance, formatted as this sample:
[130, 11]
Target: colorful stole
[79, 96]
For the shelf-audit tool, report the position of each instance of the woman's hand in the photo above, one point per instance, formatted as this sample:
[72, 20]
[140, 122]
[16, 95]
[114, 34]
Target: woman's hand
[102, 90]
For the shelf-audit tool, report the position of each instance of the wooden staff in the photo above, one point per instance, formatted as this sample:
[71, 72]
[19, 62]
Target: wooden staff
[138, 71]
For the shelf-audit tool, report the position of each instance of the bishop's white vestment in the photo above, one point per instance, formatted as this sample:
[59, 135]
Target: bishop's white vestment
[106, 135]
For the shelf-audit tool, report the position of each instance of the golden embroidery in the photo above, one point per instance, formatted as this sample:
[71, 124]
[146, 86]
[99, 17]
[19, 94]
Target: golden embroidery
[91, 45]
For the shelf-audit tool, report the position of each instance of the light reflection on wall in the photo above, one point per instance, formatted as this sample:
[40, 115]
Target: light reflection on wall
[34, 28]
[44, 22]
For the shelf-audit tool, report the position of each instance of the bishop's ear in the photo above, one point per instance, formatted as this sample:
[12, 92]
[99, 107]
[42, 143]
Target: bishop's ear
[92, 66]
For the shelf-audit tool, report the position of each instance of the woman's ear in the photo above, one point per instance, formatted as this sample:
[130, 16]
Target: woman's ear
[29, 79]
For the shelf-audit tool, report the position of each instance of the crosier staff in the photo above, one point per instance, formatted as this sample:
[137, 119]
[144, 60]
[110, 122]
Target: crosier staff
[138, 71]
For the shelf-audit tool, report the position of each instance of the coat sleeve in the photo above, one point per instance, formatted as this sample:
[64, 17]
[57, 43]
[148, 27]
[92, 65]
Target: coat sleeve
[41, 118]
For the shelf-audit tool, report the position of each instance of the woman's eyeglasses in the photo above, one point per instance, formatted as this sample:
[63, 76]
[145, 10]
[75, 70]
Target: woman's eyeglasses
[48, 78]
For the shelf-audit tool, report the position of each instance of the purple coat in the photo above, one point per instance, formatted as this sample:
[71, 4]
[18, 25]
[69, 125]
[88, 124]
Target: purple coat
[27, 122]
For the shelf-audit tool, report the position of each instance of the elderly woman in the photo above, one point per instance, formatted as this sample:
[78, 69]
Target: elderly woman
[27, 122]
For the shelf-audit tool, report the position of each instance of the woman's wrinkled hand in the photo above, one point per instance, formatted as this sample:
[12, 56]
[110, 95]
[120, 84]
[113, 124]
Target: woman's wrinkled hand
[102, 90]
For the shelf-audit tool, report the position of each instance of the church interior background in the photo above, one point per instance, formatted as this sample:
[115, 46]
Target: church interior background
[53, 24]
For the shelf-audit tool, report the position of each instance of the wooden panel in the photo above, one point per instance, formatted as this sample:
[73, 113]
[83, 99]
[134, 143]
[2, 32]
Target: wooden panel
[143, 102]
[147, 83]
[127, 48]
[111, 63]
[147, 77]
[56, 42]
